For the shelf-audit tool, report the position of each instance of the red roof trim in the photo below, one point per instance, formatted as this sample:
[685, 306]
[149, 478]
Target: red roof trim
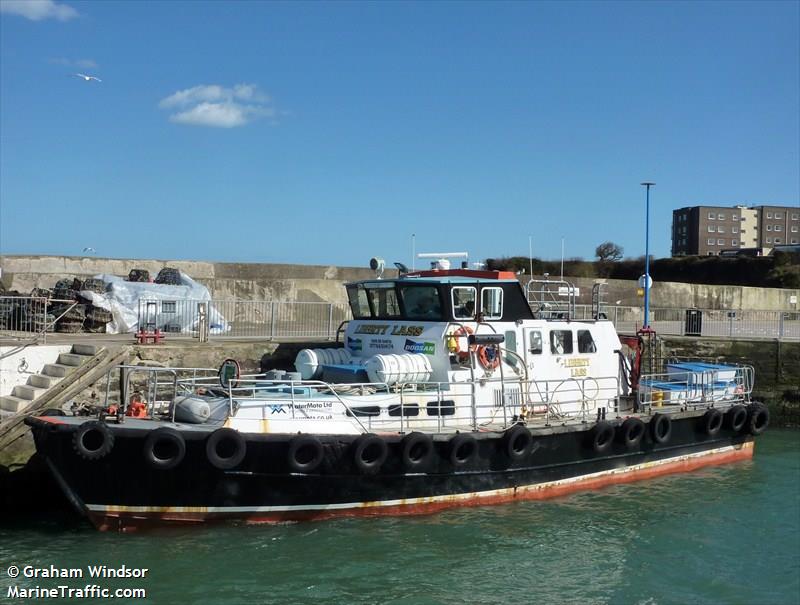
[465, 273]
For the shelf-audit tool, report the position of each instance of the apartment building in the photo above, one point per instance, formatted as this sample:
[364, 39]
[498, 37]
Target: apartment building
[708, 230]
[778, 225]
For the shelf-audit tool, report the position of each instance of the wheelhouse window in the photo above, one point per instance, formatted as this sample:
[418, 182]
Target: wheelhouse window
[561, 342]
[383, 299]
[492, 303]
[359, 304]
[463, 300]
[586, 342]
[421, 302]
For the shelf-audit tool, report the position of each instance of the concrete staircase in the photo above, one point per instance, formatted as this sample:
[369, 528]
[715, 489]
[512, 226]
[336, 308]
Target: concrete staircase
[25, 395]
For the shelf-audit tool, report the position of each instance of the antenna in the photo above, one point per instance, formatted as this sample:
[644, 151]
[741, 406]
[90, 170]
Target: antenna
[443, 255]
[530, 253]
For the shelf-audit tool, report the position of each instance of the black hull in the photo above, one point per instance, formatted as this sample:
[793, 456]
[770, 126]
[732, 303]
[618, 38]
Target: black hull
[122, 489]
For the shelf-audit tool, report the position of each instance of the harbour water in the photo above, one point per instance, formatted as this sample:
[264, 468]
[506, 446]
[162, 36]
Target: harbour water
[724, 535]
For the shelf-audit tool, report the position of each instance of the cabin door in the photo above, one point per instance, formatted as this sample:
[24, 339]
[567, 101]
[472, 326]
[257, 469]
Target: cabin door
[546, 352]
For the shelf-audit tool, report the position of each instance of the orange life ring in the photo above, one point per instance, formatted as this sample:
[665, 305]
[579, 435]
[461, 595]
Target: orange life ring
[487, 362]
[464, 331]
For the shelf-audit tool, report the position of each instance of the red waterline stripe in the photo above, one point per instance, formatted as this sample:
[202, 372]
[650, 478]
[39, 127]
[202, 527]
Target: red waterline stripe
[130, 521]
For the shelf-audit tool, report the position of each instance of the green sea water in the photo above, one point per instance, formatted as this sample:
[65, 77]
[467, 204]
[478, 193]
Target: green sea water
[728, 534]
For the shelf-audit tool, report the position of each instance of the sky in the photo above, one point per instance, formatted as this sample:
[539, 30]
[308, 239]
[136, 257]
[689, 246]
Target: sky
[331, 132]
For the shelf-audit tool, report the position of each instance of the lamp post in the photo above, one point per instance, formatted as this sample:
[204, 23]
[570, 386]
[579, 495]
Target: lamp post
[646, 325]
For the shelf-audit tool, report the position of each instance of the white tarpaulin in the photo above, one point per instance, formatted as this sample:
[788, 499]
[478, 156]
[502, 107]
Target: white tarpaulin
[174, 308]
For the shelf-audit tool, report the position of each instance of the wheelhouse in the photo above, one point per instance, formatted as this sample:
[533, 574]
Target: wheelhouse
[441, 296]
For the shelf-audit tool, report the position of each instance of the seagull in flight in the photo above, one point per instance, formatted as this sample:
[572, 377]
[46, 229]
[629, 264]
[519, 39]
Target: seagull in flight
[88, 78]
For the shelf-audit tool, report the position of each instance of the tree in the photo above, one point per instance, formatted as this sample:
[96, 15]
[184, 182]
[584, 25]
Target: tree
[608, 251]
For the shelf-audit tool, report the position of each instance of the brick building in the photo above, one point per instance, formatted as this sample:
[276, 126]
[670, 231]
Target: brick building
[707, 230]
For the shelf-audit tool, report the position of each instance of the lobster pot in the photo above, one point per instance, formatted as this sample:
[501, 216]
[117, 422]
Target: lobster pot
[391, 369]
[309, 362]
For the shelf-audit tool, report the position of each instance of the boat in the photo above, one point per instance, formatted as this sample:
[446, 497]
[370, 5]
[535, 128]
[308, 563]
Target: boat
[448, 387]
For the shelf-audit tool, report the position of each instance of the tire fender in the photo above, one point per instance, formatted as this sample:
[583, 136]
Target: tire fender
[226, 448]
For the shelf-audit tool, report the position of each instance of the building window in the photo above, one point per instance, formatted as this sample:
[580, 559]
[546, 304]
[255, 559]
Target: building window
[721, 216]
[734, 242]
[795, 216]
[711, 216]
[769, 215]
[769, 240]
[734, 229]
[710, 241]
[778, 228]
[721, 229]
[169, 306]
[794, 228]
[769, 227]
[794, 241]
[779, 215]
[777, 240]
[734, 217]
[720, 242]
[711, 228]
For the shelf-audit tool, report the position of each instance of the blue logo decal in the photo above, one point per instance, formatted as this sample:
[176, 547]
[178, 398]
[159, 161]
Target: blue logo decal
[354, 344]
[427, 348]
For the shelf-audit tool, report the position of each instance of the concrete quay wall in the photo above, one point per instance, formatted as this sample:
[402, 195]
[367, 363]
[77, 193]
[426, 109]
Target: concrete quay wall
[225, 281]
[323, 283]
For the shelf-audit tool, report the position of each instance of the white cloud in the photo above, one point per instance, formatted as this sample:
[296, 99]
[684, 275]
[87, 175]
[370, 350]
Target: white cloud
[217, 106]
[37, 10]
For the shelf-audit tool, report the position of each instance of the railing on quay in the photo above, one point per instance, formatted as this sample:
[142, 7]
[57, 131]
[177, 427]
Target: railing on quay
[35, 317]
[243, 318]
[702, 322]
[24, 317]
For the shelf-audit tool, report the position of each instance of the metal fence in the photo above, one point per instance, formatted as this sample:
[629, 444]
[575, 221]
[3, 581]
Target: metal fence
[33, 317]
[244, 318]
[27, 316]
[703, 322]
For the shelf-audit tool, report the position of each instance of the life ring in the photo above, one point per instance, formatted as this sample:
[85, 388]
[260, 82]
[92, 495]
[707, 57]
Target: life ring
[164, 449]
[517, 442]
[758, 419]
[463, 331]
[736, 418]
[631, 432]
[602, 436]
[93, 440]
[711, 422]
[226, 448]
[370, 453]
[660, 428]
[417, 450]
[489, 356]
[305, 454]
[463, 448]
